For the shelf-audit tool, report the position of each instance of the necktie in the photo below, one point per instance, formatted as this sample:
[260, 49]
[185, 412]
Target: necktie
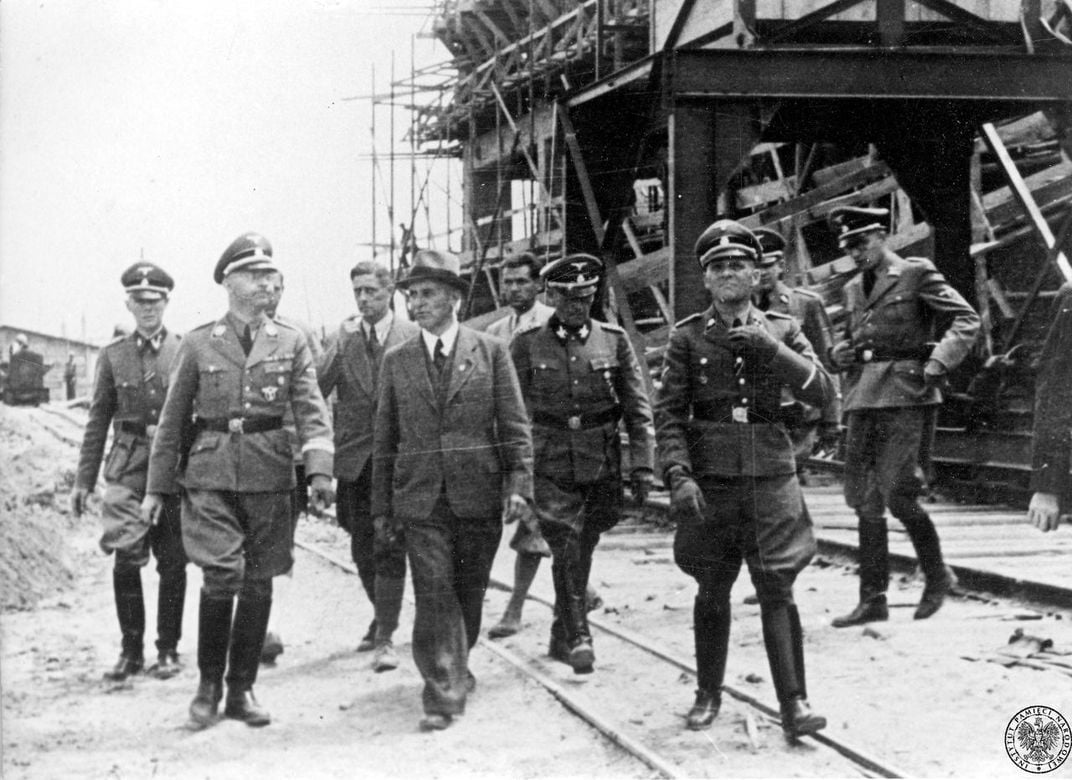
[737, 323]
[372, 343]
[246, 340]
[439, 357]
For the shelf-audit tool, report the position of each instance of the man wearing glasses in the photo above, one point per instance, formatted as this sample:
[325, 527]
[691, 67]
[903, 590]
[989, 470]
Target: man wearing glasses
[893, 371]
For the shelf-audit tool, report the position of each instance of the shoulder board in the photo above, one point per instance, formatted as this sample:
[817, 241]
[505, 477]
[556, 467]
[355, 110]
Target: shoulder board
[803, 292]
[777, 315]
[610, 326]
[531, 327]
[922, 261]
[286, 324]
[114, 341]
[697, 316]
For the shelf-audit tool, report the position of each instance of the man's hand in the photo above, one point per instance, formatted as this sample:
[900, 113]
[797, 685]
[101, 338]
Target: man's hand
[843, 354]
[151, 506]
[755, 340]
[515, 508]
[1043, 512]
[686, 498]
[387, 531]
[321, 494]
[640, 485]
[829, 437]
[934, 375]
[79, 500]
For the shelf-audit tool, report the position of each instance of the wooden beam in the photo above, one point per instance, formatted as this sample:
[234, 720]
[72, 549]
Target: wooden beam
[890, 16]
[1023, 195]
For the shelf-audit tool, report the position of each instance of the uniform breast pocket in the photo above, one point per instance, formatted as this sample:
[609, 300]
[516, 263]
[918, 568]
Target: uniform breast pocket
[127, 397]
[546, 376]
[606, 371]
[273, 381]
[212, 390]
[899, 309]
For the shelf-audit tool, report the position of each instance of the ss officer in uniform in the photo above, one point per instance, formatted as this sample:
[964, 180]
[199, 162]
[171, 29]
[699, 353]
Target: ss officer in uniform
[892, 373]
[806, 424]
[132, 380]
[239, 376]
[351, 368]
[580, 377]
[728, 460]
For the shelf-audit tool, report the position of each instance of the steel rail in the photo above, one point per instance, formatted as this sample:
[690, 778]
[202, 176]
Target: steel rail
[853, 753]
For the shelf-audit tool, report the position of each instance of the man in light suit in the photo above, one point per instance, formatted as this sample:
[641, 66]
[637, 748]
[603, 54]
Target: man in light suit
[452, 461]
[350, 368]
[520, 282]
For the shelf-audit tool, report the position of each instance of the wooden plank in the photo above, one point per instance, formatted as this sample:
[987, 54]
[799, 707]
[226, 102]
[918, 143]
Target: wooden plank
[1023, 195]
[817, 195]
[645, 271]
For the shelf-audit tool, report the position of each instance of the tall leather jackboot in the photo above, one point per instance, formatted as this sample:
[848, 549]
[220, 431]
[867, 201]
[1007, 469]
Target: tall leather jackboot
[213, 639]
[940, 579]
[874, 575]
[130, 609]
[247, 637]
[389, 592]
[170, 603]
[572, 613]
[785, 652]
[711, 632]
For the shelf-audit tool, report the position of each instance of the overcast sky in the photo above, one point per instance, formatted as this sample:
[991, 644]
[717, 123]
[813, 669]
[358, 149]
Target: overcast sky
[170, 128]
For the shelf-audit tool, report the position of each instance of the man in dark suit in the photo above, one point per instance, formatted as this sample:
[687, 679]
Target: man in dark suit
[350, 368]
[893, 370]
[452, 461]
[129, 391]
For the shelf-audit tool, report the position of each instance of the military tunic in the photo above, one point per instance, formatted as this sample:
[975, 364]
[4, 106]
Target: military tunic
[717, 417]
[239, 470]
[128, 394]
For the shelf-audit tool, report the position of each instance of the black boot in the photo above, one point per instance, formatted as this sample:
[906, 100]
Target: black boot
[213, 638]
[572, 616]
[874, 575]
[247, 639]
[711, 633]
[170, 602]
[785, 652]
[130, 609]
[939, 577]
[558, 648]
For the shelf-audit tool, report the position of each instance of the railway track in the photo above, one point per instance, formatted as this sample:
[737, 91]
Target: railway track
[592, 700]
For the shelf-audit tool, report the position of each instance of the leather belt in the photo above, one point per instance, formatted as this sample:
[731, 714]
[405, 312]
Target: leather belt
[577, 422]
[718, 413]
[870, 355]
[240, 424]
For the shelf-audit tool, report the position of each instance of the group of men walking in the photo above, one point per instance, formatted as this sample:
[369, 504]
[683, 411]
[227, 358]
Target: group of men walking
[442, 434]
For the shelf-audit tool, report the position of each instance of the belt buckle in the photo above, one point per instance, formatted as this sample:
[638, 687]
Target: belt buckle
[867, 355]
[740, 414]
[574, 422]
[234, 425]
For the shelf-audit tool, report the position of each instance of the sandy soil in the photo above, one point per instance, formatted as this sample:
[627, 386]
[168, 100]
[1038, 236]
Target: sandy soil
[904, 691]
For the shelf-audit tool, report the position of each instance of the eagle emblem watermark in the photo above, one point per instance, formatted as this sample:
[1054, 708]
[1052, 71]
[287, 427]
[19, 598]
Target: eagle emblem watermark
[1038, 739]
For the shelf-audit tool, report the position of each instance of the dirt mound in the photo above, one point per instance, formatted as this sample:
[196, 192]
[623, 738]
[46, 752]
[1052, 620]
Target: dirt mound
[36, 474]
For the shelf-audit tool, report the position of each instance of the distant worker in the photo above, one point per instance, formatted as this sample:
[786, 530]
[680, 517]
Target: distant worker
[239, 375]
[807, 425]
[128, 394]
[70, 376]
[452, 461]
[892, 373]
[729, 463]
[1051, 501]
[299, 496]
[580, 377]
[351, 368]
[26, 375]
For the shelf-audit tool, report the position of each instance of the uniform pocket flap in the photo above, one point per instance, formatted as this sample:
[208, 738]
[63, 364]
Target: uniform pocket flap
[604, 363]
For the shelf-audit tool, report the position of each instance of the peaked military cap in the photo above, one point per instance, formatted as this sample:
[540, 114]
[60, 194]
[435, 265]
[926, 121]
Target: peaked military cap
[772, 243]
[248, 252]
[575, 276]
[147, 281]
[431, 265]
[849, 221]
[727, 238]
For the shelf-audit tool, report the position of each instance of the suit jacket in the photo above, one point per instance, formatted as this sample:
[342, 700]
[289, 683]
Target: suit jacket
[347, 370]
[899, 317]
[472, 441]
[128, 389]
[1052, 443]
[214, 380]
[537, 315]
